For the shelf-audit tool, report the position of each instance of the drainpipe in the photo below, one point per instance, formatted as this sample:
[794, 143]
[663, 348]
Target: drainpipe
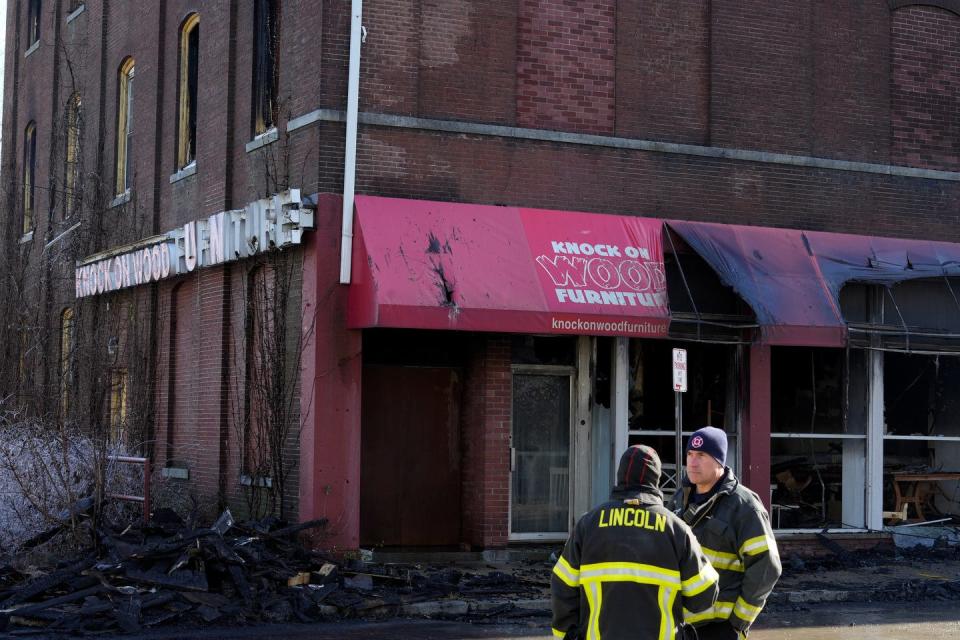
[350, 153]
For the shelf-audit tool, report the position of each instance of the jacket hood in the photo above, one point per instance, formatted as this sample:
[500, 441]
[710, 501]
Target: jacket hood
[638, 475]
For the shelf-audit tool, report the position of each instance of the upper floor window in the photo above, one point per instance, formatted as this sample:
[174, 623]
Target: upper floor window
[187, 126]
[124, 126]
[266, 40]
[33, 22]
[29, 175]
[74, 123]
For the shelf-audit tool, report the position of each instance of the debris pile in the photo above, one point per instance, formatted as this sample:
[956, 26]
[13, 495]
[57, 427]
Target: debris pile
[234, 574]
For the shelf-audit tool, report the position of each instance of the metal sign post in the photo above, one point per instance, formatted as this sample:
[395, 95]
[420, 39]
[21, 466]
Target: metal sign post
[679, 387]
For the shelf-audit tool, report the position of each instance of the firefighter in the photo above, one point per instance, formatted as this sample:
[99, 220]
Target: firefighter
[734, 530]
[630, 566]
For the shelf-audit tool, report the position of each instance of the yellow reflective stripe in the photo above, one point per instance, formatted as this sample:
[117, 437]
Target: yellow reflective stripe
[753, 546]
[569, 575]
[746, 611]
[557, 633]
[665, 598]
[723, 560]
[720, 610]
[594, 594]
[629, 572]
[698, 583]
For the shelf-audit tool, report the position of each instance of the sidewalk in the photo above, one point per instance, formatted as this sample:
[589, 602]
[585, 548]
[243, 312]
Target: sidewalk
[871, 576]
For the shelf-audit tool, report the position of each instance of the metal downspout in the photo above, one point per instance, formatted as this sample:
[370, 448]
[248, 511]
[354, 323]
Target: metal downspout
[350, 151]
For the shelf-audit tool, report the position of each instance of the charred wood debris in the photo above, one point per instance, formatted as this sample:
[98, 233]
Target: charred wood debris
[168, 573]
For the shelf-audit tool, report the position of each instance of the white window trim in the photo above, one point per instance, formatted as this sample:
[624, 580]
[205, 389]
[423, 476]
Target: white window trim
[267, 137]
[177, 473]
[121, 199]
[27, 237]
[264, 482]
[302, 121]
[76, 12]
[32, 48]
[186, 172]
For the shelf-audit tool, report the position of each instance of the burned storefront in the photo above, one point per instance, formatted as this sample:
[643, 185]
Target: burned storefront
[507, 355]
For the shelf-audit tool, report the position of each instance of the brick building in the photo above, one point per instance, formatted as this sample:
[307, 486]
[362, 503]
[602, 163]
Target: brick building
[786, 176]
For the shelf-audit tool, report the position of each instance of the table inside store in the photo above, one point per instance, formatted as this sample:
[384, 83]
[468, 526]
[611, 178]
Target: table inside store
[917, 489]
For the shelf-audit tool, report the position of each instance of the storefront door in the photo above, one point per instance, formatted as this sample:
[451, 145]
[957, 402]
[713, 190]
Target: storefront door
[540, 453]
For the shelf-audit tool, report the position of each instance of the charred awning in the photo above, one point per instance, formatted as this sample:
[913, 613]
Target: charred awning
[812, 288]
[894, 293]
[438, 265]
[777, 274]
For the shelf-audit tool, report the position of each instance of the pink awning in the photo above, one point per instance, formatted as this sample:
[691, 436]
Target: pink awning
[439, 265]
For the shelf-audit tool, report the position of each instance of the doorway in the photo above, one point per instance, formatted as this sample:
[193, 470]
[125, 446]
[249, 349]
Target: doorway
[540, 453]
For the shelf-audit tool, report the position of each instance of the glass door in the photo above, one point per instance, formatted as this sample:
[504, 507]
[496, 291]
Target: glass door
[540, 453]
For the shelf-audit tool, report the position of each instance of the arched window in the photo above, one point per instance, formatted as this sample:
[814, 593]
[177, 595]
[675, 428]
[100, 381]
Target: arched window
[66, 359]
[266, 40]
[72, 159]
[124, 125]
[29, 175]
[187, 128]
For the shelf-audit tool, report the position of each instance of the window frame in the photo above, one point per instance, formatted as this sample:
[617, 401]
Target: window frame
[72, 153]
[66, 359]
[29, 176]
[34, 13]
[188, 91]
[126, 75]
[266, 68]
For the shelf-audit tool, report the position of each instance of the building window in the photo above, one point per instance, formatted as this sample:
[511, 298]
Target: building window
[66, 359]
[124, 126]
[187, 128]
[33, 23]
[266, 41]
[29, 175]
[74, 123]
[118, 404]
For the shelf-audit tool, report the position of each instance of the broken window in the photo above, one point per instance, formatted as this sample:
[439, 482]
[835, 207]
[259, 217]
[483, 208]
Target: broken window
[29, 176]
[118, 404]
[187, 108]
[921, 435]
[124, 126]
[72, 163]
[33, 22]
[710, 399]
[816, 459]
[66, 360]
[266, 41]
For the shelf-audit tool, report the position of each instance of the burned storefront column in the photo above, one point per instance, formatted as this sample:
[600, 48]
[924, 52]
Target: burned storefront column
[756, 439]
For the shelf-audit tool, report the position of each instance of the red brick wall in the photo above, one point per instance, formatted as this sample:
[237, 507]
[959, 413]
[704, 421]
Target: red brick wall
[485, 423]
[663, 72]
[565, 65]
[925, 88]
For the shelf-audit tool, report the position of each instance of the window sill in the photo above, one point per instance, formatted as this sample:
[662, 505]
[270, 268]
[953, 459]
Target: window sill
[262, 140]
[27, 237]
[121, 199]
[257, 481]
[177, 473]
[186, 172]
[302, 121]
[31, 49]
[76, 12]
